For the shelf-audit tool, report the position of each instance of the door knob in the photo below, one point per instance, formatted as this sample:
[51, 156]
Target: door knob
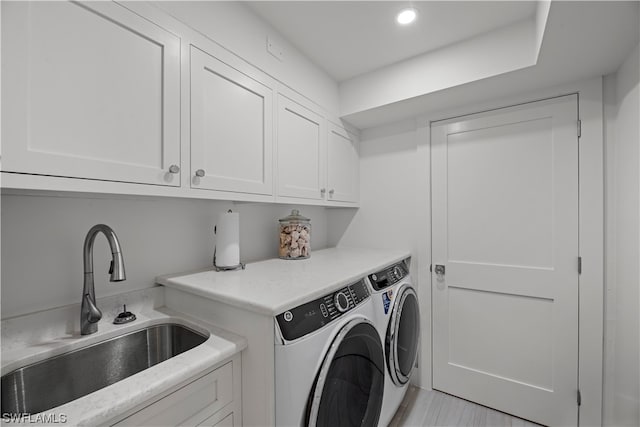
[440, 271]
[174, 168]
[200, 173]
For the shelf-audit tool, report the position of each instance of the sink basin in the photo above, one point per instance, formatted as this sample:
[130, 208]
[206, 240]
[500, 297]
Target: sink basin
[61, 379]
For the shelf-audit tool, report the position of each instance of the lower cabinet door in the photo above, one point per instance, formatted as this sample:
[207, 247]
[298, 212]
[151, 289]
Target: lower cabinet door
[218, 420]
[191, 405]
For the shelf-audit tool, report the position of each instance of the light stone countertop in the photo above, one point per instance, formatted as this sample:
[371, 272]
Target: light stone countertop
[24, 343]
[275, 285]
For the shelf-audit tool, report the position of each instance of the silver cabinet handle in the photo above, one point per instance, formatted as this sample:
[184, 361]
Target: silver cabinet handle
[331, 192]
[174, 169]
[200, 173]
[323, 190]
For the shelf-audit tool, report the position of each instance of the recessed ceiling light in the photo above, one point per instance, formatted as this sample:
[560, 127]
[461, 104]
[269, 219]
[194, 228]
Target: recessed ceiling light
[406, 16]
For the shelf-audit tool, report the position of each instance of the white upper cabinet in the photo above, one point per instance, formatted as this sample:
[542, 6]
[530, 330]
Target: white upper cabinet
[301, 151]
[318, 161]
[343, 175]
[102, 97]
[90, 90]
[231, 128]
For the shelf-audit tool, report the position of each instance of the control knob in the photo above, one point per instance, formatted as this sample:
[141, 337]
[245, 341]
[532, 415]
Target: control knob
[341, 302]
[397, 271]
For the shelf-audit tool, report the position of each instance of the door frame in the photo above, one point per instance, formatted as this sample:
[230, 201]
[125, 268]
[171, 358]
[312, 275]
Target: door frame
[591, 233]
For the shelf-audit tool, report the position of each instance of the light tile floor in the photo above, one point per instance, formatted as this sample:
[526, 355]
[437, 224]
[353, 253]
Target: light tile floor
[434, 408]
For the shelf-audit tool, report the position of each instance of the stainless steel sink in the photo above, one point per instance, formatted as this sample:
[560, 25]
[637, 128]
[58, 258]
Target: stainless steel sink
[61, 379]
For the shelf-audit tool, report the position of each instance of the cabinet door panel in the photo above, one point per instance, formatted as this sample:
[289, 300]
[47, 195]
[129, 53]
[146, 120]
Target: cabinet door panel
[343, 165]
[218, 420]
[301, 151]
[190, 405]
[231, 128]
[91, 91]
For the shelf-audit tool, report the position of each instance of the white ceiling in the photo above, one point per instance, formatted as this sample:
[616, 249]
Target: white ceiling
[582, 40]
[349, 38]
[457, 53]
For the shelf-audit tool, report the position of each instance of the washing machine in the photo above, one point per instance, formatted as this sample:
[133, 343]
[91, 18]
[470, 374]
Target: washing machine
[397, 318]
[329, 357]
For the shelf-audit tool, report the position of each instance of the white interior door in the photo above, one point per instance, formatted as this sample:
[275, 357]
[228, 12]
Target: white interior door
[505, 228]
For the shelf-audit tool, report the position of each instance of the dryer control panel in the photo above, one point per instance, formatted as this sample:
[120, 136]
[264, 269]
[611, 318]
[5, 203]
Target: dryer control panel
[389, 276]
[313, 315]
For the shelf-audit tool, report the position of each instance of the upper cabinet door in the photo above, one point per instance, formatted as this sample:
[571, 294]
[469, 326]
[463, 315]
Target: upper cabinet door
[231, 128]
[90, 90]
[343, 165]
[301, 151]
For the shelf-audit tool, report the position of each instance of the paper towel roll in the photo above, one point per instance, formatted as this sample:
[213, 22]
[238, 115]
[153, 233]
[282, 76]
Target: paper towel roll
[228, 240]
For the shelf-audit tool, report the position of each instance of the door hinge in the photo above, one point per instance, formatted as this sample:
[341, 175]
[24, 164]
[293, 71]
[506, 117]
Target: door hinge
[579, 398]
[579, 128]
[579, 265]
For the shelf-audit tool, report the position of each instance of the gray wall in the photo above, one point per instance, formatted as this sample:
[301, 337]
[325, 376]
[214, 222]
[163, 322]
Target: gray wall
[42, 239]
[394, 211]
[622, 297]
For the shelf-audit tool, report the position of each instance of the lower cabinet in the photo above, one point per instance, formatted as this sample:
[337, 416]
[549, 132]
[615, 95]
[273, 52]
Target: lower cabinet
[210, 400]
[219, 420]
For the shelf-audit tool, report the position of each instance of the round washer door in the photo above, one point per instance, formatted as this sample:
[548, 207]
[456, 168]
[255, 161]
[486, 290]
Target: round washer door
[403, 336]
[349, 387]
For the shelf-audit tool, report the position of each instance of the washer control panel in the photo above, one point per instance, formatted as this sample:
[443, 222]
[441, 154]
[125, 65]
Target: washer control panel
[389, 276]
[313, 315]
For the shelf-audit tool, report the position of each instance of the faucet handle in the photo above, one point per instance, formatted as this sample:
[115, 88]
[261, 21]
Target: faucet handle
[93, 314]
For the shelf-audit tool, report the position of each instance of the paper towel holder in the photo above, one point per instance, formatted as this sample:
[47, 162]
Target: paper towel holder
[218, 268]
[240, 266]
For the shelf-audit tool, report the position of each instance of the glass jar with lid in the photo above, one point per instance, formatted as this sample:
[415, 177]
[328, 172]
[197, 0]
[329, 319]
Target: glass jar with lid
[295, 236]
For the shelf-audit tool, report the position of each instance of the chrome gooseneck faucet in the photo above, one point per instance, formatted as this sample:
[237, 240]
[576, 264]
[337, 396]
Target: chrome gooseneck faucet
[89, 312]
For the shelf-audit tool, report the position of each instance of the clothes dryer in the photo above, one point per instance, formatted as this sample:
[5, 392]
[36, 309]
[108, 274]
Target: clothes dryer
[330, 368]
[397, 318]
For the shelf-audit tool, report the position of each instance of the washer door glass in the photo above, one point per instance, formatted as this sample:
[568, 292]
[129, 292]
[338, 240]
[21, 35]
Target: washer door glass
[349, 387]
[403, 336]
